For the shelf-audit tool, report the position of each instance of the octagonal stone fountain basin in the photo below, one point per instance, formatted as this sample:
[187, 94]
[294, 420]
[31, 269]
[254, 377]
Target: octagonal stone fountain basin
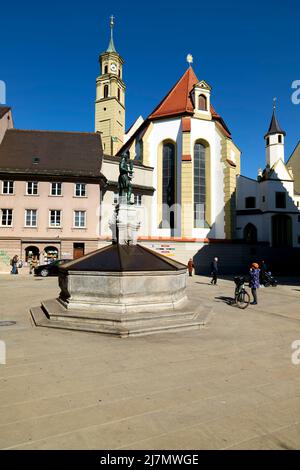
[123, 291]
[123, 279]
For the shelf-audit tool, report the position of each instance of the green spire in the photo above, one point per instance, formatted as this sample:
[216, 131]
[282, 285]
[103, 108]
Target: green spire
[111, 46]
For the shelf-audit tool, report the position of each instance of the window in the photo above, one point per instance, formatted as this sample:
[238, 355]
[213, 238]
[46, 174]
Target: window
[105, 68]
[32, 188]
[280, 200]
[280, 139]
[30, 217]
[6, 217]
[105, 93]
[56, 189]
[250, 202]
[80, 189]
[119, 73]
[199, 185]
[168, 183]
[263, 199]
[139, 150]
[268, 140]
[137, 199]
[298, 240]
[55, 218]
[202, 103]
[79, 219]
[8, 187]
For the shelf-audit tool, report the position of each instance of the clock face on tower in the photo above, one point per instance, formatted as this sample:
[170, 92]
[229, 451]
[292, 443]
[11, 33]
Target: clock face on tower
[113, 67]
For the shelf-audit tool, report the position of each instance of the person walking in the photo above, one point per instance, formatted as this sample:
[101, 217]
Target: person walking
[214, 270]
[14, 265]
[191, 266]
[254, 281]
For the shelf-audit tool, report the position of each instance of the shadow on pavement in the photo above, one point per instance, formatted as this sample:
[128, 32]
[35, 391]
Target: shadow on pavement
[227, 300]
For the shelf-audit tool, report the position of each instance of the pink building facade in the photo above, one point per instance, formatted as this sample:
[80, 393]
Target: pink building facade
[50, 193]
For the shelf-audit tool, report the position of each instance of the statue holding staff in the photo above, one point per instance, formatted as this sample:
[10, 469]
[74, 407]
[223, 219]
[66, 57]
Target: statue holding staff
[125, 177]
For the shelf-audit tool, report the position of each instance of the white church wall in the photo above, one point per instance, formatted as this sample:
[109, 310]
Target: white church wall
[246, 187]
[164, 130]
[205, 130]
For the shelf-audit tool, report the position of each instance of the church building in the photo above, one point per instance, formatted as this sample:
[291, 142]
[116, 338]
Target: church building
[185, 159]
[268, 208]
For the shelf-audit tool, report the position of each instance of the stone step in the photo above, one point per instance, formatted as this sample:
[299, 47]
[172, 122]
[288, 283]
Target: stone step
[122, 329]
[57, 312]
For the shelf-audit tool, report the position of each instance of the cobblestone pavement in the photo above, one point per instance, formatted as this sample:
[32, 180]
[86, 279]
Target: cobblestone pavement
[230, 385]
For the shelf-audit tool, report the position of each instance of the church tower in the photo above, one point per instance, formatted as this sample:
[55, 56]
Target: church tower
[110, 98]
[274, 141]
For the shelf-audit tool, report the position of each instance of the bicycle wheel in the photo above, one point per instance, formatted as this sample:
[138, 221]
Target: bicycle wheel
[243, 299]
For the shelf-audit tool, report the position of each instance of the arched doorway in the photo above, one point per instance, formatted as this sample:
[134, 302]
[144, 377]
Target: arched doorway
[250, 233]
[51, 254]
[31, 251]
[281, 230]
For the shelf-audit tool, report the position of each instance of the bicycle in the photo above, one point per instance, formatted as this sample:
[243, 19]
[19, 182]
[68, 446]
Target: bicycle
[241, 296]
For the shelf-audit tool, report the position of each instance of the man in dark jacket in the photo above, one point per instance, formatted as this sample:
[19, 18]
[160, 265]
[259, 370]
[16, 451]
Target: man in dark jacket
[254, 281]
[214, 270]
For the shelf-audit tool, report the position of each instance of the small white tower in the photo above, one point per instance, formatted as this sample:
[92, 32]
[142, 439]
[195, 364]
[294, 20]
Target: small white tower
[274, 141]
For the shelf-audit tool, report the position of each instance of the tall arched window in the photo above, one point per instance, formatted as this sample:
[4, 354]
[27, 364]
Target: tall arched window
[105, 68]
[168, 183]
[202, 103]
[105, 93]
[199, 185]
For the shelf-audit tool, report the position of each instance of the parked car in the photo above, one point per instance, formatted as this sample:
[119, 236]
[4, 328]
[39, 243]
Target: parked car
[50, 269]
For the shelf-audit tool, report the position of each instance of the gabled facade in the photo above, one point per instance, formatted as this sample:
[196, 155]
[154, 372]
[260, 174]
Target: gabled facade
[195, 163]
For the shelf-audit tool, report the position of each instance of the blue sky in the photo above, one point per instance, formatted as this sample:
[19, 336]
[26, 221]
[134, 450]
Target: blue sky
[248, 53]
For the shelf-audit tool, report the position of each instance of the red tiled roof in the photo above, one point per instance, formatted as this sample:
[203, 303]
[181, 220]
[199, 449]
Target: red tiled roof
[179, 102]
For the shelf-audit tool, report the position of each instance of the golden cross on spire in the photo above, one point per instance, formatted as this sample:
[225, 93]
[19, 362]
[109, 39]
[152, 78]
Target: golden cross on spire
[189, 59]
[112, 21]
[274, 102]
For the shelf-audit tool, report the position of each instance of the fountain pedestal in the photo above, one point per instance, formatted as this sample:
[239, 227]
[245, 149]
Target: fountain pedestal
[122, 289]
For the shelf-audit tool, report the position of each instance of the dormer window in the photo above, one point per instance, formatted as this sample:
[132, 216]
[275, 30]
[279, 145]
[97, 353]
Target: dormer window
[202, 103]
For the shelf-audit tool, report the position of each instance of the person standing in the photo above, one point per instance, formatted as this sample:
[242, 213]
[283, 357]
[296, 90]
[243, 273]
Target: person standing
[14, 264]
[254, 281]
[214, 270]
[190, 267]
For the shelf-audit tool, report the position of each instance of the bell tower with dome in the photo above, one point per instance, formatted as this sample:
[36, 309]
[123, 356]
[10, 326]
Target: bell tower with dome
[110, 98]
